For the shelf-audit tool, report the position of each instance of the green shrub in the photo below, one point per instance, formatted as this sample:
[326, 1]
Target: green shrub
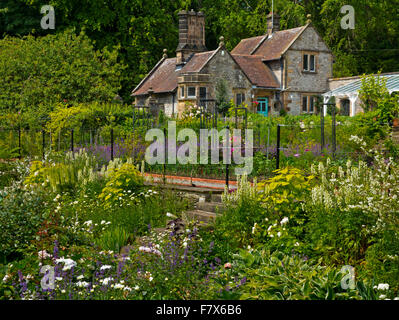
[72, 174]
[113, 239]
[242, 210]
[8, 173]
[120, 179]
[21, 215]
[352, 208]
[276, 276]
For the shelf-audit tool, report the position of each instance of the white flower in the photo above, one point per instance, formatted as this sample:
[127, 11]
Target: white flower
[80, 277]
[136, 288]
[68, 263]
[150, 279]
[82, 284]
[150, 250]
[105, 281]
[168, 214]
[383, 286]
[383, 296]
[279, 234]
[119, 286]
[284, 221]
[58, 278]
[43, 254]
[88, 223]
[105, 267]
[6, 277]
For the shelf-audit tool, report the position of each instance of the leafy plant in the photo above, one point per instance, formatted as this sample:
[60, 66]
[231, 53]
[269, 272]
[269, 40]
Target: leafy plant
[125, 177]
[276, 276]
[113, 239]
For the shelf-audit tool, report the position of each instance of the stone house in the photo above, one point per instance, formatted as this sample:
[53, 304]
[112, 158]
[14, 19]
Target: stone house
[282, 69]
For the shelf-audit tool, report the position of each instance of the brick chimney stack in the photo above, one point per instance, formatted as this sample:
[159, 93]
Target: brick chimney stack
[273, 23]
[191, 34]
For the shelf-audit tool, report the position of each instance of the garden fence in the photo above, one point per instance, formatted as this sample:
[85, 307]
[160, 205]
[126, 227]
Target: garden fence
[284, 143]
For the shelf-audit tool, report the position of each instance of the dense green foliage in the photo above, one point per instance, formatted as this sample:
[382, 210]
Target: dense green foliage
[141, 29]
[38, 73]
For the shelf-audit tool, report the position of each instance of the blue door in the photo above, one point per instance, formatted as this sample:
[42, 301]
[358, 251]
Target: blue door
[263, 106]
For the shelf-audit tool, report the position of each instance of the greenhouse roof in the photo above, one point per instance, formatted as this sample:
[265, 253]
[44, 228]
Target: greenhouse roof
[354, 87]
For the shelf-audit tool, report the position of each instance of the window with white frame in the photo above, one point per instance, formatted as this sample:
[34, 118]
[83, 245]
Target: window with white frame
[309, 62]
[191, 92]
[308, 104]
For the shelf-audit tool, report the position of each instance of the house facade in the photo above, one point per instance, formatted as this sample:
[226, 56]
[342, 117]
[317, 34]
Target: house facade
[283, 69]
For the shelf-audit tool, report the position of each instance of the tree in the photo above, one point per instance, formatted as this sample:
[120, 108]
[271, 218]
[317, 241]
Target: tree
[222, 98]
[37, 73]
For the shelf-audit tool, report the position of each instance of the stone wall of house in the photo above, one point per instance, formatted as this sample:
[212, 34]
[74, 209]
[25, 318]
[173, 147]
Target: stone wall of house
[223, 67]
[292, 101]
[299, 82]
[167, 102]
[276, 68]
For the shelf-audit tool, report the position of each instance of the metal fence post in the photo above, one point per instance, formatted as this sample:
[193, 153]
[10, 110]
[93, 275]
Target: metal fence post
[268, 142]
[164, 161]
[227, 164]
[112, 144]
[19, 143]
[43, 143]
[322, 139]
[278, 147]
[334, 142]
[72, 146]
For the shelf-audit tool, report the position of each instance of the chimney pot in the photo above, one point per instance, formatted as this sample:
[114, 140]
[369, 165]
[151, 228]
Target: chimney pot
[273, 23]
[191, 34]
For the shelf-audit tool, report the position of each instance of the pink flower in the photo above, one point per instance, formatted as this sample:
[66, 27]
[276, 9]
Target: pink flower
[227, 265]
[297, 155]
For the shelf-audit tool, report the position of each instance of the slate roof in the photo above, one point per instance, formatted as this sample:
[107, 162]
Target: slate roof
[197, 62]
[257, 72]
[246, 46]
[162, 78]
[249, 54]
[269, 48]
